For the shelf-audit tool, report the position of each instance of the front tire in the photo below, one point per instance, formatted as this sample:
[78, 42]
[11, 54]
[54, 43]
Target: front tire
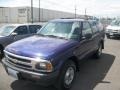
[66, 76]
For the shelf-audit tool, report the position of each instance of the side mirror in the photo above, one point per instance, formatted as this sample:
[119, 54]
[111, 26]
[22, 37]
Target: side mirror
[87, 36]
[14, 34]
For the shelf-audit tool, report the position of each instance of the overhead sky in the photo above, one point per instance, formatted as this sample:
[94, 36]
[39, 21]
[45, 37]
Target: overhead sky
[105, 8]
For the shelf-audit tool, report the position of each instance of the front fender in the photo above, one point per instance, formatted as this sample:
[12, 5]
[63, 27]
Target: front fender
[59, 61]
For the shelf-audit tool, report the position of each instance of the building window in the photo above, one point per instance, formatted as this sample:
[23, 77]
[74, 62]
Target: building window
[21, 11]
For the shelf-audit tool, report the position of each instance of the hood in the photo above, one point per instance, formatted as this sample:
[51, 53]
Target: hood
[113, 27]
[37, 46]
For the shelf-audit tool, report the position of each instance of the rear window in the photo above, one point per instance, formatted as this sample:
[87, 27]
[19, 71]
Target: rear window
[34, 28]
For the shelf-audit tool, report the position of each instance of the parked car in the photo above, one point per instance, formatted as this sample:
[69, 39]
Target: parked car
[13, 32]
[113, 30]
[52, 56]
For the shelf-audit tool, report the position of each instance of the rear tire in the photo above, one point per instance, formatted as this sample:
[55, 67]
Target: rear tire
[99, 51]
[66, 76]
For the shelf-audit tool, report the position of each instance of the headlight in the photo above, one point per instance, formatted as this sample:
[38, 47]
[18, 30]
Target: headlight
[43, 66]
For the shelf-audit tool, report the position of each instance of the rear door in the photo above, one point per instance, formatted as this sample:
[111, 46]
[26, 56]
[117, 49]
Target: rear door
[96, 34]
[22, 32]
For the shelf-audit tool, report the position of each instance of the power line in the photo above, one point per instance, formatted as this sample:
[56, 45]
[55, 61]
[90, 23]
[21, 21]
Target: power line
[56, 4]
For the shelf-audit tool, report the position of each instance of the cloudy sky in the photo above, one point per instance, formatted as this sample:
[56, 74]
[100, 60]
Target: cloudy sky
[105, 8]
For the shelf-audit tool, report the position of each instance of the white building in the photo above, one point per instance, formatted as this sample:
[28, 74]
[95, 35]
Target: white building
[23, 14]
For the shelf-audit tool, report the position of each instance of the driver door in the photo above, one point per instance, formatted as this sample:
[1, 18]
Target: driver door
[85, 45]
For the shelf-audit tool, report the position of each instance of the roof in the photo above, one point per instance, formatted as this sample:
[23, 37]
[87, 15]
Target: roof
[67, 20]
[23, 24]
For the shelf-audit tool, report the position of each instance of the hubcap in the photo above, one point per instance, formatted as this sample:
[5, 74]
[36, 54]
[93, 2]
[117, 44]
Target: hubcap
[69, 76]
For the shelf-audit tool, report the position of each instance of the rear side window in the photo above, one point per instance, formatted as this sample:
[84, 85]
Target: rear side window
[34, 28]
[21, 30]
[86, 29]
[94, 26]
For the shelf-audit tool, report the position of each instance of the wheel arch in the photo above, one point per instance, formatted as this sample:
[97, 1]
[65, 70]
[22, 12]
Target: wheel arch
[76, 61]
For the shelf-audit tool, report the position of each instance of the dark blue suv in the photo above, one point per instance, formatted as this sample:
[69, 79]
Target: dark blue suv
[52, 56]
[13, 32]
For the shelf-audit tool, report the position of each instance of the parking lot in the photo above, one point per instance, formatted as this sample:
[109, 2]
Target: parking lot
[102, 74]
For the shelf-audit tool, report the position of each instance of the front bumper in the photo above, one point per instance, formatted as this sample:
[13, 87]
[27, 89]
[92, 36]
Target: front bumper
[44, 79]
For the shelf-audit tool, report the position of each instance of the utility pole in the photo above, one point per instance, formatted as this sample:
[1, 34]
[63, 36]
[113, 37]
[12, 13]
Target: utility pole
[75, 11]
[86, 14]
[39, 10]
[31, 11]
[85, 11]
[75, 8]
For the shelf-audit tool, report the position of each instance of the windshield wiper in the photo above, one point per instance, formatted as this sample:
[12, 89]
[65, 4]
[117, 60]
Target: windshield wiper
[40, 35]
[55, 36]
[51, 35]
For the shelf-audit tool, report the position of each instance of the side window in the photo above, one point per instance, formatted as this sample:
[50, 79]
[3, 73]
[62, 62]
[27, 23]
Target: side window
[86, 29]
[21, 30]
[75, 30]
[34, 28]
[94, 27]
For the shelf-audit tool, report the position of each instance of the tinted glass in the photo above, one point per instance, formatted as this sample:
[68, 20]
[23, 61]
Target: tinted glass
[34, 28]
[21, 30]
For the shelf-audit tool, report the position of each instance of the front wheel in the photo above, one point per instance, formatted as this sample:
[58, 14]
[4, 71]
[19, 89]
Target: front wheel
[66, 76]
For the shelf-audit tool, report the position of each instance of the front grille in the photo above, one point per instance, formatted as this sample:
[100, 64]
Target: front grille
[19, 62]
[23, 60]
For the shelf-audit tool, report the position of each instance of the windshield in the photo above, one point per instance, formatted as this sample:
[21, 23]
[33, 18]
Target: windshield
[6, 30]
[67, 30]
[115, 23]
